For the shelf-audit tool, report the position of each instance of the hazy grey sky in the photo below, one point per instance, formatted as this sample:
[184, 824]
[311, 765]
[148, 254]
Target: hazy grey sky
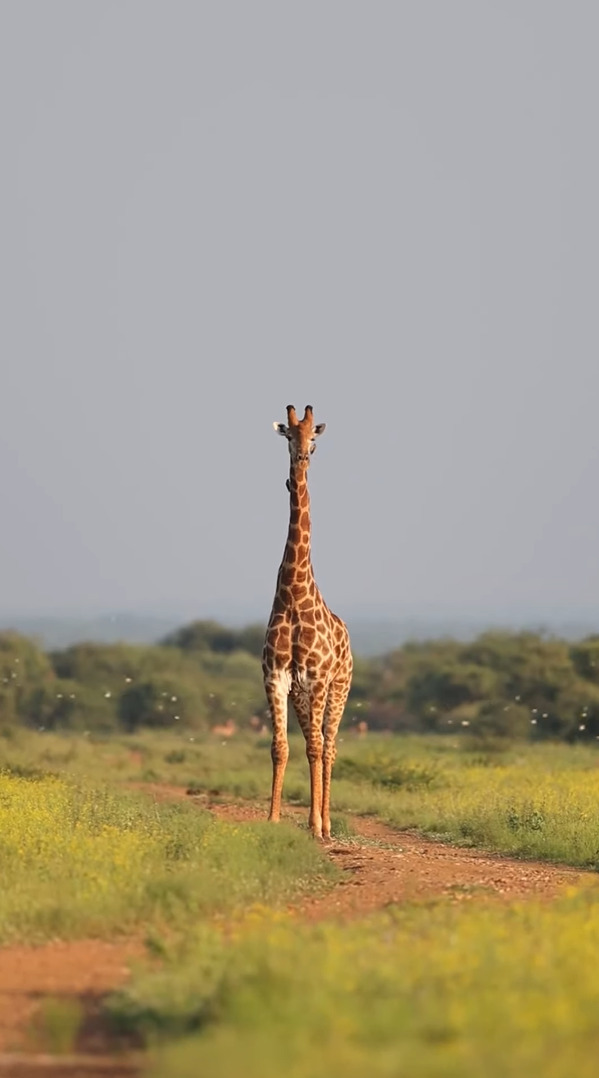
[385, 209]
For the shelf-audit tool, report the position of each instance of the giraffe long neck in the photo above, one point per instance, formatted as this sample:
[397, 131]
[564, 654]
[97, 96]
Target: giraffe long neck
[296, 557]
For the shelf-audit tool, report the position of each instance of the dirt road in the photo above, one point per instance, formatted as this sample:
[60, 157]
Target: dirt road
[382, 866]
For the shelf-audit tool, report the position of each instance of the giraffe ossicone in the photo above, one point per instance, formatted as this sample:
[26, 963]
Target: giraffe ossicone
[307, 653]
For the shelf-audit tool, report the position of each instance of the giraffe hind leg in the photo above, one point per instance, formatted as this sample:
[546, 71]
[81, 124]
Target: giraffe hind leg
[309, 708]
[338, 693]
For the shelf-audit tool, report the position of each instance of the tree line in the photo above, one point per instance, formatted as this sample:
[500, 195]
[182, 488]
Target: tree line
[522, 685]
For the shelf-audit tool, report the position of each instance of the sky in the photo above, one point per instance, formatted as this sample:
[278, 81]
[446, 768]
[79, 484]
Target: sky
[384, 209]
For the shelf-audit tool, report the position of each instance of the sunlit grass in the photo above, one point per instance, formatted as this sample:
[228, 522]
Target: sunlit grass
[438, 989]
[534, 802]
[423, 990]
[528, 800]
[82, 860]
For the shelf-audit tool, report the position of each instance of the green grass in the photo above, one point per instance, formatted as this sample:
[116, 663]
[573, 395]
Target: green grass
[434, 990]
[535, 801]
[56, 1026]
[80, 860]
[531, 802]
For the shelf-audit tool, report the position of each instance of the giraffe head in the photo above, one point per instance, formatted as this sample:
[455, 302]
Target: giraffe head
[301, 434]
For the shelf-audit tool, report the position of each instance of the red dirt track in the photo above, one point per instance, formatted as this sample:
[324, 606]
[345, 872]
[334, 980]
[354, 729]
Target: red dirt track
[383, 866]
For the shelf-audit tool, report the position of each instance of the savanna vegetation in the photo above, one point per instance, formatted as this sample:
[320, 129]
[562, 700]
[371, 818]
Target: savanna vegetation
[437, 990]
[527, 800]
[83, 859]
[234, 984]
[516, 685]
[499, 751]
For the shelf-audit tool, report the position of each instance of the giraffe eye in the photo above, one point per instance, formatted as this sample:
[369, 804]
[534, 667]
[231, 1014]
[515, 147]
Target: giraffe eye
[313, 447]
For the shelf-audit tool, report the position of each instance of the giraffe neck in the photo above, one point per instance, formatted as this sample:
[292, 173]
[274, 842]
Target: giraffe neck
[296, 557]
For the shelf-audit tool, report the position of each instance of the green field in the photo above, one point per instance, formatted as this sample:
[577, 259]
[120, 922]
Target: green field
[422, 990]
[80, 859]
[533, 801]
[236, 985]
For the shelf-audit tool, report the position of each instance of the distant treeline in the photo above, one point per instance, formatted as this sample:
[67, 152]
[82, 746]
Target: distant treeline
[505, 684]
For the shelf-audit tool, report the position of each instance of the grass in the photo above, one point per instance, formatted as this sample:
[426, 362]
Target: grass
[56, 1026]
[537, 801]
[434, 990]
[80, 860]
[237, 986]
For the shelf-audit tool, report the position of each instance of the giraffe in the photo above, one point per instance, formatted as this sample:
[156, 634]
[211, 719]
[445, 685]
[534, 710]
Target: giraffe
[306, 651]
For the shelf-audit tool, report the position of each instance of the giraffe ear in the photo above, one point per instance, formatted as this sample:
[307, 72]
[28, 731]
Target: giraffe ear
[319, 429]
[280, 429]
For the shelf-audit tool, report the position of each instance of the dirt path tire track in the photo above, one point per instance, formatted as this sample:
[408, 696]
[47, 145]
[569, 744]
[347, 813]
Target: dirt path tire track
[380, 867]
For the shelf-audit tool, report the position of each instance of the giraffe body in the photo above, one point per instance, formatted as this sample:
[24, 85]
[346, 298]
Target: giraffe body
[307, 652]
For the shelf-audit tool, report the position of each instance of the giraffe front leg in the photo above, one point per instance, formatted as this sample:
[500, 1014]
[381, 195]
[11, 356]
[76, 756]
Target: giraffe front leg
[276, 693]
[338, 693]
[314, 754]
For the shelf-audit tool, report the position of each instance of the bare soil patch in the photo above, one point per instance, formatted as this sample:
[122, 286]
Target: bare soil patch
[383, 866]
